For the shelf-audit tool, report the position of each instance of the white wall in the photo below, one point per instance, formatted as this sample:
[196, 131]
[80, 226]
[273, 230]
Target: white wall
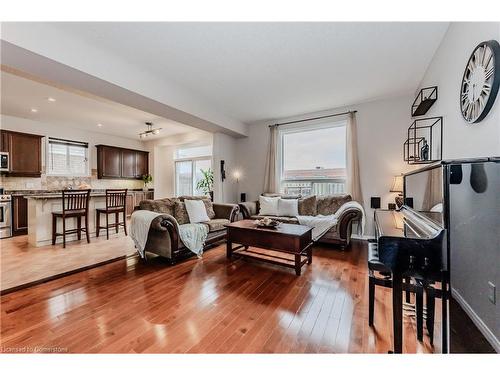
[445, 70]
[462, 140]
[47, 50]
[382, 128]
[225, 148]
[162, 159]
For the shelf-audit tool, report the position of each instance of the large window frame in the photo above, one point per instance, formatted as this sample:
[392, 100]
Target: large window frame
[193, 161]
[67, 146]
[312, 185]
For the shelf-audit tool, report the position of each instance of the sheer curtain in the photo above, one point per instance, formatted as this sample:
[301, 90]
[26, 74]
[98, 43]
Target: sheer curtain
[353, 183]
[270, 182]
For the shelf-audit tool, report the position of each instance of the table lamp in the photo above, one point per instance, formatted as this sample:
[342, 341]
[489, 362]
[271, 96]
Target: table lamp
[397, 187]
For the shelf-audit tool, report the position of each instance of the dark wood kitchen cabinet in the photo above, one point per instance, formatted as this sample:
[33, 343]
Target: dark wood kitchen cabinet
[130, 203]
[142, 163]
[135, 197]
[19, 215]
[109, 162]
[25, 153]
[129, 162]
[116, 162]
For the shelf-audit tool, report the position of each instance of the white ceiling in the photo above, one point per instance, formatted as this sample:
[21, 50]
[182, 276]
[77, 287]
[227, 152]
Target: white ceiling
[19, 95]
[257, 71]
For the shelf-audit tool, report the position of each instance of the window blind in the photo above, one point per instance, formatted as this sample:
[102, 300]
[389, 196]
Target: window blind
[67, 158]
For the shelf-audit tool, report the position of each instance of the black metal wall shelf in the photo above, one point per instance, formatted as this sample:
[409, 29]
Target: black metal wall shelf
[424, 100]
[424, 143]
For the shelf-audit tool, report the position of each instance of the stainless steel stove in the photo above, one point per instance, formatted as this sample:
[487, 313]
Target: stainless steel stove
[5, 214]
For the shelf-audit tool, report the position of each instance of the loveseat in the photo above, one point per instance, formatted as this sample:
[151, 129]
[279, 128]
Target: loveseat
[339, 234]
[163, 236]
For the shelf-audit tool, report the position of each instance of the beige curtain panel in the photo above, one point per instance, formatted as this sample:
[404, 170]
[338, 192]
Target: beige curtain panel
[353, 185]
[270, 183]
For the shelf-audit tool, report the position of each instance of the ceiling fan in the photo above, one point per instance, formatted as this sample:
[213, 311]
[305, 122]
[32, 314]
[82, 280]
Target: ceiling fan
[149, 131]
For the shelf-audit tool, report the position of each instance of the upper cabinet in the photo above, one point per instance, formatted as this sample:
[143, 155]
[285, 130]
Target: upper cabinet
[25, 153]
[142, 164]
[116, 162]
[129, 162]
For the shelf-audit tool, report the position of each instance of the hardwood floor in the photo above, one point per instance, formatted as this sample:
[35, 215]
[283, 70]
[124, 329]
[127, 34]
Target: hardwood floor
[209, 305]
[23, 264]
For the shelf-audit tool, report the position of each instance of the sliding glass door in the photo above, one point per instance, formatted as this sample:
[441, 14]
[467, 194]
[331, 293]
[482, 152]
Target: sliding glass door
[188, 173]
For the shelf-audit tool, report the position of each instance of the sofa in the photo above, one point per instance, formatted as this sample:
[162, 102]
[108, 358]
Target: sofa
[314, 205]
[163, 236]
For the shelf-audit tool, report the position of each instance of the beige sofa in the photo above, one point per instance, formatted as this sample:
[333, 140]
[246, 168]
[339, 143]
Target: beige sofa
[163, 237]
[340, 234]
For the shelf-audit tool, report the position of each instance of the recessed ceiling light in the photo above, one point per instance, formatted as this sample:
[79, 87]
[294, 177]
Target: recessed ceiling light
[34, 110]
[99, 125]
[51, 99]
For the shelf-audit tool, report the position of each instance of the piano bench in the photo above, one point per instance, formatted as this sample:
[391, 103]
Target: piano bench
[375, 265]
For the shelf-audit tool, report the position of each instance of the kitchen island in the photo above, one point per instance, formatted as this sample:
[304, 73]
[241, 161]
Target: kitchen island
[41, 206]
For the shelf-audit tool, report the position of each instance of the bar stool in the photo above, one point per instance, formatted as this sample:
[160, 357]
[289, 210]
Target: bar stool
[116, 202]
[74, 204]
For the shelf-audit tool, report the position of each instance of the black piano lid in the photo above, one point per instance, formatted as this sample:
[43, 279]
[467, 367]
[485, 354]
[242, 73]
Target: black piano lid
[406, 223]
[485, 159]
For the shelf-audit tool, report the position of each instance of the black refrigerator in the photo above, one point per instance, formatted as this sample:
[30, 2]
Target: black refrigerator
[464, 197]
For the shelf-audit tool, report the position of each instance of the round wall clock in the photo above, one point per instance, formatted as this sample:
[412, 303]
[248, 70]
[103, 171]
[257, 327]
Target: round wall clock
[480, 81]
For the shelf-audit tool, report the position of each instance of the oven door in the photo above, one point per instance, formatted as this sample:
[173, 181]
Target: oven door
[5, 214]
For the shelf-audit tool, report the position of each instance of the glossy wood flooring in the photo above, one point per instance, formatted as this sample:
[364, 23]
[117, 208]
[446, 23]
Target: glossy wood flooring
[210, 305]
[22, 263]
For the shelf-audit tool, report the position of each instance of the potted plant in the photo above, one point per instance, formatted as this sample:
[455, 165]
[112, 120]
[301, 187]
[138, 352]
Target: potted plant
[205, 184]
[146, 178]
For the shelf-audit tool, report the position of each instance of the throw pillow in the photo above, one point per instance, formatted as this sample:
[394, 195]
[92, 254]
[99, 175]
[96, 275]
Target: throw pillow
[206, 199]
[180, 213]
[164, 206]
[268, 205]
[288, 207]
[329, 204]
[196, 211]
[307, 206]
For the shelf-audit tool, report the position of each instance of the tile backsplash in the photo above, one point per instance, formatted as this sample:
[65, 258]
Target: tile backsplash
[61, 182]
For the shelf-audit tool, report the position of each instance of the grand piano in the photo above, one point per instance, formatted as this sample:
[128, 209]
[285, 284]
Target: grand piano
[410, 245]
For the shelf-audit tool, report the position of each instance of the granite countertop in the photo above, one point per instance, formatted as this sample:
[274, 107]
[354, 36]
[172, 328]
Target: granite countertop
[40, 194]
[57, 195]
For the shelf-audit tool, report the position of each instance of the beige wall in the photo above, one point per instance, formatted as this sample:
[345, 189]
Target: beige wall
[382, 128]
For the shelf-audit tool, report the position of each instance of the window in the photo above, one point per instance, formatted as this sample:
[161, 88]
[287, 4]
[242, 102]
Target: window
[189, 163]
[193, 152]
[312, 159]
[67, 158]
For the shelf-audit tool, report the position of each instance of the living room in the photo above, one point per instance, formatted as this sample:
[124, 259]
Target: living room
[250, 187]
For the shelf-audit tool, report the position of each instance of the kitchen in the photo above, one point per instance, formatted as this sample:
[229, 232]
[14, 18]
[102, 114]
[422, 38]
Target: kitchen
[55, 140]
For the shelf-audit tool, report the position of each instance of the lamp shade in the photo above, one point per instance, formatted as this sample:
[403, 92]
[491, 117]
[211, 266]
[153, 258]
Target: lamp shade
[397, 184]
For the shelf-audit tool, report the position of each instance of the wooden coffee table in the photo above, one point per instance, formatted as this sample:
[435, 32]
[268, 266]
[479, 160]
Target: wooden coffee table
[288, 245]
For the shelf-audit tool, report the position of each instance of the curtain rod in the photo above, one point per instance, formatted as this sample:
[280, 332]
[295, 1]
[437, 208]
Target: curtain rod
[313, 118]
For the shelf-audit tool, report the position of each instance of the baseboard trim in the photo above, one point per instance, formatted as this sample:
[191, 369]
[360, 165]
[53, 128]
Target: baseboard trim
[492, 339]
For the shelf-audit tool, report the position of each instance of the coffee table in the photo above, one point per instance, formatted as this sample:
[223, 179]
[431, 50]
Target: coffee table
[288, 245]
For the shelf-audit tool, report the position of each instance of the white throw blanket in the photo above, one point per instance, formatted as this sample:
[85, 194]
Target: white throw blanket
[193, 236]
[140, 222]
[322, 224]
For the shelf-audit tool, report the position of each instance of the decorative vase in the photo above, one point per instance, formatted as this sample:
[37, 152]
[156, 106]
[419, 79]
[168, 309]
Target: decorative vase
[145, 188]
